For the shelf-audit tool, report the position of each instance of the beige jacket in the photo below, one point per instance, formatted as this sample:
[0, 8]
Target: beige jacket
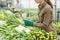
[45, 18]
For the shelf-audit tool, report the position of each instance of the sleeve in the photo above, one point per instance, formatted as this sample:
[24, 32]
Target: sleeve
[41, 15]
[47, 20]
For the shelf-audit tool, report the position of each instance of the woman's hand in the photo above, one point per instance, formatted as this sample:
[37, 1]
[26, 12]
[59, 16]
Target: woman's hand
[35, 23]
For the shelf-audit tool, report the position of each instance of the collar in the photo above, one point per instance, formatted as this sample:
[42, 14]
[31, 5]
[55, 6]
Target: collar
[40, 6]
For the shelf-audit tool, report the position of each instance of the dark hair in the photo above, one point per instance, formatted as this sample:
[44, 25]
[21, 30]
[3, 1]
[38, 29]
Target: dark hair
[50, 3]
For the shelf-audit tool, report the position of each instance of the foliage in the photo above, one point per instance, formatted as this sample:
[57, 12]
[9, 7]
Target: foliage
[57, 26]
[8, 32]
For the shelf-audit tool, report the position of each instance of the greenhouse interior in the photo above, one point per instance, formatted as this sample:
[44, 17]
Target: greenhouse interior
[29, 19]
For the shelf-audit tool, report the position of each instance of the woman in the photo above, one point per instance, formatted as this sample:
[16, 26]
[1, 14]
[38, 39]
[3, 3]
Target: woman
[19, 5]
[45, 16]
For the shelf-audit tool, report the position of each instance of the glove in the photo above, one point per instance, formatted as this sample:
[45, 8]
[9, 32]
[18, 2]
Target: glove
[14, 10]
[28, 23]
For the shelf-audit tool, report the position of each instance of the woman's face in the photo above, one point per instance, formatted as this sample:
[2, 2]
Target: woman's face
[39, 1]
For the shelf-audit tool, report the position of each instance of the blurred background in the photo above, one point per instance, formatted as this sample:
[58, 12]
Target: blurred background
[32, 6]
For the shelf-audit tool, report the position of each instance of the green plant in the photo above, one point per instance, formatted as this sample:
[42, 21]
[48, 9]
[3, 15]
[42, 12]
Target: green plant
[57, 26]
[8, 32]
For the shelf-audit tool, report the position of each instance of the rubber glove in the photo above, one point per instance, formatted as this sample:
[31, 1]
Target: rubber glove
[28, 23]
